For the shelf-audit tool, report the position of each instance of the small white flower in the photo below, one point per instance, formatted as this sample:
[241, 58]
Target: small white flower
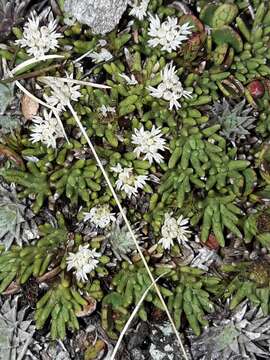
[169, 35]
[170, 89]
[83, 261]
[174, 229]
[127, 181]
[39, 40]
[100, 216]
[129, 80]
[103, 55]
[102, 42]
[46, 129]
[61, 93]
[104, 110]
[139, 8]
[149, 143]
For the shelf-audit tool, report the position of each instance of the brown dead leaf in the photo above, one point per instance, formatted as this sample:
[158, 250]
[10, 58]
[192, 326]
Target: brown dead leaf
[88, 309]
[11, 155]
[29, 107]
[12, 289]
[49, 275]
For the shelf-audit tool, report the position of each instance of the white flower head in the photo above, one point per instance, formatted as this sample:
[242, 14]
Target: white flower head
[149, 143]
[168, 34]
[129, 80]
[105, 110]
[174, 229]
[46, 129]
[83, 261]
[139, 8]
[127, 181]
[170, 89]
[39, 40]
[103, 55]
[100, 216]
[62, 93]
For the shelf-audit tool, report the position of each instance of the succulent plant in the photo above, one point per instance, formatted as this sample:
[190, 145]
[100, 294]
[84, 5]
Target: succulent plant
[61, 304]
[191, 295]
[218, 213]
[16, 332]
[13, 223]
[250, 280]
[244, 334]
[235, 119]
[258, 225]
[35, 182]
[33, 260]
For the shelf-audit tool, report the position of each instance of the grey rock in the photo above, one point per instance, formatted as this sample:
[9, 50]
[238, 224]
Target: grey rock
[102, 16]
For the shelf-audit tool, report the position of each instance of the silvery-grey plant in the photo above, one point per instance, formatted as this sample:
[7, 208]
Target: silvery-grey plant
[243, 335]
[235, 120]
[16, 333]
[13, 223]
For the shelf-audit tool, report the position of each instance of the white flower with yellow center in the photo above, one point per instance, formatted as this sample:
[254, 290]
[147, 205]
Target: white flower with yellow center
[170, 89]
[46, 129]
[100, 216]
[149, 143]
[127, 181]
[83, 261]
[174, 229]
[168, 34]
[39, 40]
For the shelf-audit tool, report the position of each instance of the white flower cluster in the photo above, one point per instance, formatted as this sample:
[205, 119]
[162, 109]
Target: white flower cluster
[149, 143]
[174, 229]
[83, 261]
[39, 40]
[100, 216]
[46, 129]
[61, 92]
[170, 89]
[139, 8]
[127, 181]
[168, 34]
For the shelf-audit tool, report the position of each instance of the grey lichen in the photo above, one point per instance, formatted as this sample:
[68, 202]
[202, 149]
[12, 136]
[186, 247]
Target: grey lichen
[102, 16]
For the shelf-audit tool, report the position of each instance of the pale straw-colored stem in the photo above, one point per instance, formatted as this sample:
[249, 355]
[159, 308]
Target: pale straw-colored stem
[32, 61]
[73, 81]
